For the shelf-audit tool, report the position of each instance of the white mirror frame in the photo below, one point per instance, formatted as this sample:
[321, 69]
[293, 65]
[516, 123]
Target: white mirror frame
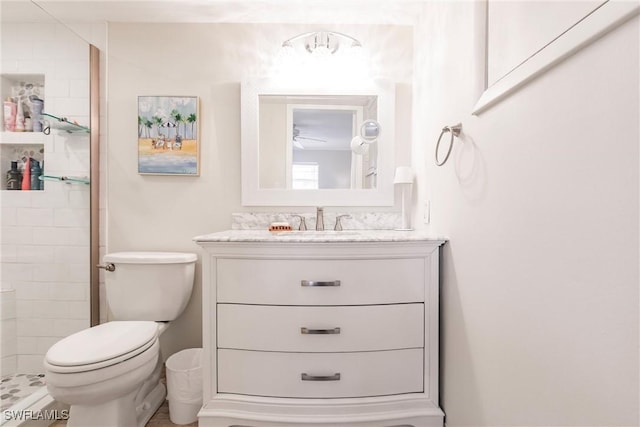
[605, 18]
[253, 195]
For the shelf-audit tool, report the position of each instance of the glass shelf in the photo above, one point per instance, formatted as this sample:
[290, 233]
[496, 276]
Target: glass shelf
[61, 123]
[65, 179]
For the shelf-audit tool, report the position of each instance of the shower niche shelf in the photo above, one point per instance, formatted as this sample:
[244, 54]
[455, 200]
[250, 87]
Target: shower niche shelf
[21, 138]
[21, 88]
[14, 146]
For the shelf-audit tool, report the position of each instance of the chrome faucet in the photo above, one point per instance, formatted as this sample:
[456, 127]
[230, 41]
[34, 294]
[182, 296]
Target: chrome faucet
[303, 224]
[319, 219]
[338, 226]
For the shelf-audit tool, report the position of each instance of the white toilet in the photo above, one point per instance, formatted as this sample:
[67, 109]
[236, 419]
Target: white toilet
[110, 374]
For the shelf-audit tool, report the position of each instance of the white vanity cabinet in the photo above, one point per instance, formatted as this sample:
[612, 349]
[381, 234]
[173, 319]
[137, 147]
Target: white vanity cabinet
[320, 331]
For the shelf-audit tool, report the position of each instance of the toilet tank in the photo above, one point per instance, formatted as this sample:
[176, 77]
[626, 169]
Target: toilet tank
[149, 285]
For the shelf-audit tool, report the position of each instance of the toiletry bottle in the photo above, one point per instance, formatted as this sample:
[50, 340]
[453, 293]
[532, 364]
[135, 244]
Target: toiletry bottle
[35, 174]
[20, 118]
[9, 109]
[41, 187]
[37, 105]
[26, 175]
[13, 177]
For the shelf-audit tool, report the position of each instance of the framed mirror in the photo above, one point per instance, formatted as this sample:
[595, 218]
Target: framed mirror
[296, 145]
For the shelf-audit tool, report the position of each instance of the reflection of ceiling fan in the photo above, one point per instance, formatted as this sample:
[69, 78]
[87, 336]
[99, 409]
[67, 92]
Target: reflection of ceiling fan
[297, 137]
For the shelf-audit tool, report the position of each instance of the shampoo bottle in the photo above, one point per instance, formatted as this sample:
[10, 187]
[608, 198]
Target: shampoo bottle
[26, 176]
[13, 177]
[9, 110]
[37, 105]
[20, 118]
[35, 174]
[41, 187]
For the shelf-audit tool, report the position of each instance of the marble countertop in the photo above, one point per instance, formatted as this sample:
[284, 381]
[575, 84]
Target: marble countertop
[318, 236]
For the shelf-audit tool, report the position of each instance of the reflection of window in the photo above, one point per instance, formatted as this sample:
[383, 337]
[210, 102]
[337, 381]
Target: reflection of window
[304, 176]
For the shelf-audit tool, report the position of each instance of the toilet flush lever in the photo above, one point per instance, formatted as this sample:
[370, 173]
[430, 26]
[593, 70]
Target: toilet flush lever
[108, 266]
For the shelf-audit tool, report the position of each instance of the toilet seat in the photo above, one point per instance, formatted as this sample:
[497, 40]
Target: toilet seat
[101, 346]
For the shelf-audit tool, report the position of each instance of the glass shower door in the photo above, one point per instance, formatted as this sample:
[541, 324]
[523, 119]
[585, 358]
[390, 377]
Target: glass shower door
[45, 222]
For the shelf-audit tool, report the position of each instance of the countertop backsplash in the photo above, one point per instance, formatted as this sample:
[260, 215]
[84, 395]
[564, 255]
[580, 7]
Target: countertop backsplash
[355, 221]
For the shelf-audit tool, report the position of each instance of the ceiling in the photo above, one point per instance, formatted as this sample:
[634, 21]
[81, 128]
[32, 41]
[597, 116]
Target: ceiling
[323, 129]
[391, 12]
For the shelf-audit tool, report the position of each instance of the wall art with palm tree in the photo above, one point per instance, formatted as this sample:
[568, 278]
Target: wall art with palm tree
[168, 135]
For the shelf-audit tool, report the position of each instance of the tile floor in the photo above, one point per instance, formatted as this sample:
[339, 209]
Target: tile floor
[15, 387]
[159, 419]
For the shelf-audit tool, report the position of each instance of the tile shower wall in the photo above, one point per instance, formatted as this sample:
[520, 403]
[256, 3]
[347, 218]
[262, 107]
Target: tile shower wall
[45, 234]
[8, 337]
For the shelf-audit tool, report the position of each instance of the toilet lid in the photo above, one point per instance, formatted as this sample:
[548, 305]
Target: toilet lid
[150, 257]
[107, 342]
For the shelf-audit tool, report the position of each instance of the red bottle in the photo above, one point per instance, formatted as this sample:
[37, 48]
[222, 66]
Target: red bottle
[26, 175]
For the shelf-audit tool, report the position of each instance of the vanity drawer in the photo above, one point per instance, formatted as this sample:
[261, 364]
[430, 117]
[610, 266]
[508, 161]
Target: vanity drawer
[326, 329]
[343, 282]
[326, 375]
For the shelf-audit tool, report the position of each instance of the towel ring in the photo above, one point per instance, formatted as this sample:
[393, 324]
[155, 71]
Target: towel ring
[455, 131]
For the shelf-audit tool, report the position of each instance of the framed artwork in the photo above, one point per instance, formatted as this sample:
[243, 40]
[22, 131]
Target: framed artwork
[168, 141]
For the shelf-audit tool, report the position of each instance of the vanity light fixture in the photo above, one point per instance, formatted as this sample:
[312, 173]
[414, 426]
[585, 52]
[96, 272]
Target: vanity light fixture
[322, 42]
[323, 58]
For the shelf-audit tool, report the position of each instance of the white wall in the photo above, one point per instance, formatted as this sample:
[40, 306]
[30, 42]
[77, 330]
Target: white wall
[209, 61]
[540, 202]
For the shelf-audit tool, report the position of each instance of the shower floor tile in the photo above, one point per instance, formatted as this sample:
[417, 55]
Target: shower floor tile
[15, 387]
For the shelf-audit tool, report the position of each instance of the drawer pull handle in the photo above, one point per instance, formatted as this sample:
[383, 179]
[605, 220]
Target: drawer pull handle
[307, 331]
[316, 283]
[307, 377]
